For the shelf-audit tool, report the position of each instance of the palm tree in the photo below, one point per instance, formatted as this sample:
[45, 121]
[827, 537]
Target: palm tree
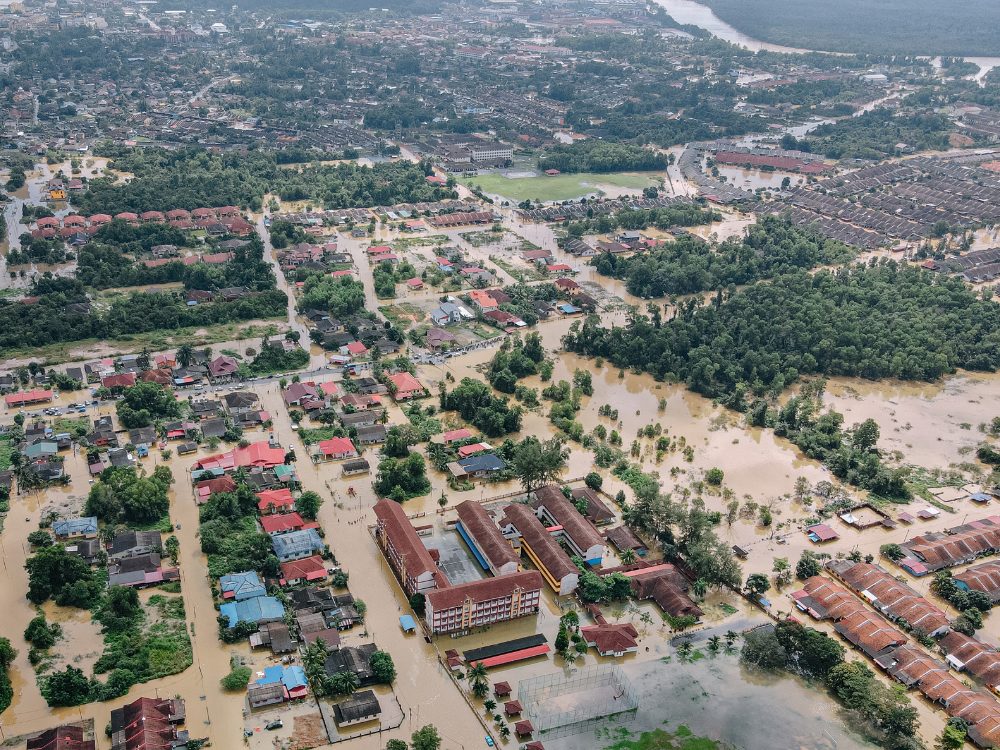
[489, 704]
[684, 650]
[185, 353]
[344, 683]
[699, 588]
[714, 643]
[505, 731]
[476, 672]
[628, 556]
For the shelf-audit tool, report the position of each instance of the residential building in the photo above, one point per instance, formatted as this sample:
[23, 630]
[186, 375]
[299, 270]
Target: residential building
[360, 707]
[296, 544]
[68, 737]
[75, 528]
[580, 535]
[132, 543]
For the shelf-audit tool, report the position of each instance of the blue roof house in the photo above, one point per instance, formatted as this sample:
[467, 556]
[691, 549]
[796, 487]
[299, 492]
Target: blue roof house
[297, 544]
[258, 609]
[240, 586]
[67, 528]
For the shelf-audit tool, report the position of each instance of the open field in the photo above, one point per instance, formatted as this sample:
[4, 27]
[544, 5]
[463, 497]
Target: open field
[561, 187]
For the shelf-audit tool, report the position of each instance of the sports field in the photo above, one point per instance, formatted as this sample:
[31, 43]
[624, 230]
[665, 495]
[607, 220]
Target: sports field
[561, 187]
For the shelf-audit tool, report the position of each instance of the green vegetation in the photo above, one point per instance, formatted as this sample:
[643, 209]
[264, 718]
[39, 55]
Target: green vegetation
[477, 405]
[402, 479]
[144, 403]
[47, 321]
[7, 655]
[875, 135]
[340, 297]
[660, 739]
[770, 248]
[667, 217]
[238, 678]
[883, 712]
[125, 496]
[54, 573]
[602, 157]
[899, 27]
[193, 178]
[515, 359]
[273, 357]
[230, 537]
[877, 321]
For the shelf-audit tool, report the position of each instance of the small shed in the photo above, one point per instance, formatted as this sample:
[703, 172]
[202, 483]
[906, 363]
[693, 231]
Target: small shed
[501, 689]
[407, 624]
[512, 708]
[523, 728]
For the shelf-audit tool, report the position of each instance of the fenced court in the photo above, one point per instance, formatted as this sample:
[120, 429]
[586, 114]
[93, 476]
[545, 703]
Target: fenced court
[560, 706]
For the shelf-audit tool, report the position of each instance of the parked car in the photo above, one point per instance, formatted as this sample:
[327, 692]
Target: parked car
[276, 724]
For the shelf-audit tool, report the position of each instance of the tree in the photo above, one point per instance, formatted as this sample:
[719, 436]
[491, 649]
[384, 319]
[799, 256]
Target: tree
[396, 745]
[39, 538]
[536, 463]
[593, 480]
[714, 476]
[426, 738]
[237, 679]
[782, 571]
[145, 402]
[308, 504]
[810, 652]
[383, 669]
[892, 552]
[761, 649]
[401, 479]
[489, 704]
[344, 683]
[67, 688]
[865, 435]
[628, 556]
[756, 585]
[807, 566]
[951, 738]
[184, 355]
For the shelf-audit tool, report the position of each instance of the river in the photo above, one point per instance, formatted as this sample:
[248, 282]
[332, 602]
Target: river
[696, 14]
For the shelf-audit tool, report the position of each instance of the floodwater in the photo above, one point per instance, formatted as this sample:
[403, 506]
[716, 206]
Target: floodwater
[717, 698]
[751, 179]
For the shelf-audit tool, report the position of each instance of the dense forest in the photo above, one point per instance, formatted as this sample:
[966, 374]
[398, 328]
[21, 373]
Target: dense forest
[877, 321]
[770, 248]
[50, 320]
[876, 135]
[902, 27]
[192, 178]
[599, 156]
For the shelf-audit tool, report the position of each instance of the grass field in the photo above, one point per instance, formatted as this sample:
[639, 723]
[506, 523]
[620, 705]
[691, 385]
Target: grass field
[561, 187]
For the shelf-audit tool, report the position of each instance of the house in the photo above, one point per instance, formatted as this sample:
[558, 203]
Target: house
[256, 455]
[611, 639]
[470, 606]
[820, 533]
[148, 724]
[140, 571]
[274, 635]
[453, 436]
[665, 585]
[356, 659]
[296, 544]
[623, 538]
[67, 737]
[281, 523]
[223, 369]
[240, 400]
[132, 543]
[275, 501]
[360, 707]
[405, 387]
[357, 466]
[438, 338]
[26, 398]
[359, 419]
[260, 696]
[142, 436]
[75, 528]
[255, 609]
[119, 381]
[477, 467]
[449, 313]
[597, 512]
[306, 570]
[334, 449]
[240, 586]
[407, 556]
[483, 300]
[291, 678]
[296, 393]
[354, 349]
[371, 434]
[361, 401]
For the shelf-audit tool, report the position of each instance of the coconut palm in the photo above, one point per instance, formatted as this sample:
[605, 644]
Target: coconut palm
[344, 683]
[489, 704]
[628, 556]
[714, 644]
[699, 588]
